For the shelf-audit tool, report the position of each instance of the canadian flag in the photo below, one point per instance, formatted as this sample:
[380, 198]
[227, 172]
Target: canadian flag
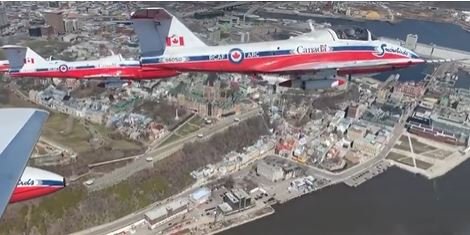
[174, 41]
[29, 60]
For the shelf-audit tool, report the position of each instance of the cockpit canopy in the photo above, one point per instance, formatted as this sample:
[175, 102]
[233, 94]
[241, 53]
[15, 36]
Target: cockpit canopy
[353, 33]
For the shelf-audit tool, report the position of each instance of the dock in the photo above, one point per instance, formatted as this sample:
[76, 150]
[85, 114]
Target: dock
[367, 174]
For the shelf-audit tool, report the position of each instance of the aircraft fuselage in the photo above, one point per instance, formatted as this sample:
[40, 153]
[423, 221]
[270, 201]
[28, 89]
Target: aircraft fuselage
[36, 183]
[286, 56]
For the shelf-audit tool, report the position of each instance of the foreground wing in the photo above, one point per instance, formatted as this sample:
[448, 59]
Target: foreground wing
[20, 129]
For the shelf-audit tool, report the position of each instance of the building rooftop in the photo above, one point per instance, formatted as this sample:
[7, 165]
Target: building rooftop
[231, 197]
[200, 193]
[164, 209]
[240, 193]
[225, 207]
[156, 213]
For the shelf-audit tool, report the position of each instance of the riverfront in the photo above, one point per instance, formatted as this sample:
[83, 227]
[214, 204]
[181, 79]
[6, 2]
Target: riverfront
[396, 202]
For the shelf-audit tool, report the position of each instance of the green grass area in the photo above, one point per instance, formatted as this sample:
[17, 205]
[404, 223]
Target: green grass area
[73, 209]
[395, 156]
[197, 120]
[124, 144]
[418, 147]
[121, 144]
[170, 139]
[56, 205]
[125, 196]
[188, 128]
[13, 100]
[70, 133]
[408, 160]
[420, 164]
[439, 154]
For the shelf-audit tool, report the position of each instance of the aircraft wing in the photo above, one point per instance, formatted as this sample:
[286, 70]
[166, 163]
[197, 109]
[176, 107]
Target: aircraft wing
[101, 76]
[350, 64]
[20, 129]
[118, 74]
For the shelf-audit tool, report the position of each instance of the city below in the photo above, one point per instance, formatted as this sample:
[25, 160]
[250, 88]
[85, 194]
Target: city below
[202, 153]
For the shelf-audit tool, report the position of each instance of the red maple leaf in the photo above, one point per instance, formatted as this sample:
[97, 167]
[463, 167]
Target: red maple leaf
[236, 55]
[175, 40]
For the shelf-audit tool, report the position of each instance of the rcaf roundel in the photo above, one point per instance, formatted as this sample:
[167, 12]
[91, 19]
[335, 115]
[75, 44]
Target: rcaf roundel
[236, 55]
[63, 68]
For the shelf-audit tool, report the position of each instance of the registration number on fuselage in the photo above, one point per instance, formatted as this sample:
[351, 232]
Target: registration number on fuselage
[172, 59]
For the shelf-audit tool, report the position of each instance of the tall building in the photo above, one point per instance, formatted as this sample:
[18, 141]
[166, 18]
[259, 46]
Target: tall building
[3, 16]
[71, 25]
[56, 20]
[35, 31]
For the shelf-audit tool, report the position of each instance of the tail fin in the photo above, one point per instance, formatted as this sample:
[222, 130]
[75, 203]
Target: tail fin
[20, 57]
[159, 31]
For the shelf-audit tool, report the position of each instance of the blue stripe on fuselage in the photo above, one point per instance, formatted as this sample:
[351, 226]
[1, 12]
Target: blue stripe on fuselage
[52, 183]
[150, 60]
[129, 65]
[85, 67]
[199, 58]
[353, 48]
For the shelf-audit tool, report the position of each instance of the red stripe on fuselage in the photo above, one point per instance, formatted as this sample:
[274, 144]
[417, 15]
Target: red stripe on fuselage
[273, 63]
[4, 68]
[127, 72]
[29, 192]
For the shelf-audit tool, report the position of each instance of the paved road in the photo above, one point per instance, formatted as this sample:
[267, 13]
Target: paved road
[165, 151]
[207, 132]
[134, 217]
[396, 133]
[159, 142]
[160, 154]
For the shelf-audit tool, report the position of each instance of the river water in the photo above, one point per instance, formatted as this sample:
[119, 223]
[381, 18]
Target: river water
[396, 202]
